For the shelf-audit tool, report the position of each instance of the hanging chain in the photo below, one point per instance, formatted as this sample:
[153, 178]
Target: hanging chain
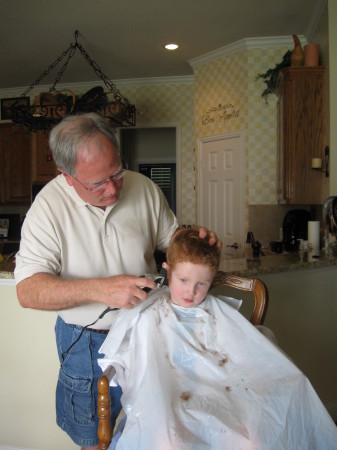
[108, 83]
[120, 112]
[46, 72]
[70, 52]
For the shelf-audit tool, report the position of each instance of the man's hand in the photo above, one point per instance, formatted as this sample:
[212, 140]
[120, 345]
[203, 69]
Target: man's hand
[124, 291]
[213, 238]
[49, 292]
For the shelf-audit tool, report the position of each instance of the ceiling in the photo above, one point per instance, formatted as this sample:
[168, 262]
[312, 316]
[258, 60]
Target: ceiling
[126, 37]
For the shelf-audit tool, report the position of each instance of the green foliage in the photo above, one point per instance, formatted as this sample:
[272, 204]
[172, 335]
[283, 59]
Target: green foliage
[270, 77]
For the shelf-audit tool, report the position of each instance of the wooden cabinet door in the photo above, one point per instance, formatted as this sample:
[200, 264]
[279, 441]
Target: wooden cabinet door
[2, 190]
[16, 165]
[302, 125]
[43, 166]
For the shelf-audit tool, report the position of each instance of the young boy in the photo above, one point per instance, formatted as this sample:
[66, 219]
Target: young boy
[191, 266]
[196, 374]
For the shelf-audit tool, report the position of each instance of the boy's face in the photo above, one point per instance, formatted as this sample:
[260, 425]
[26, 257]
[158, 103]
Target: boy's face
[189, 283]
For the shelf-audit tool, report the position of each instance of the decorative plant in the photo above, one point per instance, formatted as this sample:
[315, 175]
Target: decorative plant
[270, 76]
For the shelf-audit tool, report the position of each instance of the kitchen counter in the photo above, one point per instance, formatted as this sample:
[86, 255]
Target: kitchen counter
[269, 264]
[7, 269]
[275, 263]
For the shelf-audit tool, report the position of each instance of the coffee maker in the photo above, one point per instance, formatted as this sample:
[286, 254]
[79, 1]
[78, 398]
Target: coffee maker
[295, 226]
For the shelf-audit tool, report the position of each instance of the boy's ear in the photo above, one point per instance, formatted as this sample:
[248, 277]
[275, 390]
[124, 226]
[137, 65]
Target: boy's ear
[167, 268]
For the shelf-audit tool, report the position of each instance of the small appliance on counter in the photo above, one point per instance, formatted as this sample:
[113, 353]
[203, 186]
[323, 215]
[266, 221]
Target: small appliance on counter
[10, 231]
[295, 226]
[4, 225]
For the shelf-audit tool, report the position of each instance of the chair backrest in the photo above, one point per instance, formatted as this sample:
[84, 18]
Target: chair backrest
[253, 285]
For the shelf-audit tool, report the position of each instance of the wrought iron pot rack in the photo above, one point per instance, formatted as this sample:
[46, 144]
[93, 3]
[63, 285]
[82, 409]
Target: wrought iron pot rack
[50, 108]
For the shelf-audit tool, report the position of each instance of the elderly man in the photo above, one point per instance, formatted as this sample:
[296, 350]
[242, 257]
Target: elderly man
[87, 238]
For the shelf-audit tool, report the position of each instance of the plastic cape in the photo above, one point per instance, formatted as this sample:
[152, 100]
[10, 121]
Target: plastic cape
[206, 378]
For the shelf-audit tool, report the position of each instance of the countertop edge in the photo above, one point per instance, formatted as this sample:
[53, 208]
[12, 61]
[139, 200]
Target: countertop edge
[7, 281]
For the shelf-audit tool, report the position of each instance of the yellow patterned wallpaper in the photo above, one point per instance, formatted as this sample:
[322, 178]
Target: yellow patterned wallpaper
[224, 97]
[170, 103]
[232, 81]
[262, 129]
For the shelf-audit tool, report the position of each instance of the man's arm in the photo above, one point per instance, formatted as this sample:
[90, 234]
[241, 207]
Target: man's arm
[48, 292]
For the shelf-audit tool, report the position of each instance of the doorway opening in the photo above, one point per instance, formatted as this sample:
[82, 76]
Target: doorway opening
[155, 152]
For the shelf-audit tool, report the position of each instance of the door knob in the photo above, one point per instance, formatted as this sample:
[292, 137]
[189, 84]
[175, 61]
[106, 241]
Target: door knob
[235, 245]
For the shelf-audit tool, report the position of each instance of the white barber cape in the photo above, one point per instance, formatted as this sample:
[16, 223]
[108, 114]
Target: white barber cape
[206, 378]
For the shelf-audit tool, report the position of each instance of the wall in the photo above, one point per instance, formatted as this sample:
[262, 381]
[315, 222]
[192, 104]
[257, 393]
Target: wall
[230, 82]
[158, 103]
[302, 312]
[28, 373]
[148, 145]
[332, 4]
[230, 79]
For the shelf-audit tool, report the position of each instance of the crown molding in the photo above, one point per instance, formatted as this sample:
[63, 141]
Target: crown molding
[183, 79]
[85, 86]
[246, 44]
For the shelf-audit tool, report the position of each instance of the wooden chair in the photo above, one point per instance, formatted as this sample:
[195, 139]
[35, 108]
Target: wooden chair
[260, 295]
[252, 285]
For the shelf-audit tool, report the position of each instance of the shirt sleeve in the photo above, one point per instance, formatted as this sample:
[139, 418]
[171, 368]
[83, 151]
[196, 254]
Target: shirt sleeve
[39, 246]
[167, 224]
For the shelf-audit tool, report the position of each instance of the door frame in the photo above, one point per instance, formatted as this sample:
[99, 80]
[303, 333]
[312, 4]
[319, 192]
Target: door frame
[230, 135]
[177, 127]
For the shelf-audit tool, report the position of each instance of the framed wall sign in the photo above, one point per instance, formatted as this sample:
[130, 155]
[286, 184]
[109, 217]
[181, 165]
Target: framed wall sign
[7, 103]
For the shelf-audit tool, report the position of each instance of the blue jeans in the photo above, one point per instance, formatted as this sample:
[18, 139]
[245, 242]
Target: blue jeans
[76, 392]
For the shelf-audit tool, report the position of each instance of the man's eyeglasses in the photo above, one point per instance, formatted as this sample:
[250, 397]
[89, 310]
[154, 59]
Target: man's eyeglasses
[100, 185]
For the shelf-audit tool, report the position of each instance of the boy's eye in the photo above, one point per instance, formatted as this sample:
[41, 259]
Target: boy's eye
[183, 280]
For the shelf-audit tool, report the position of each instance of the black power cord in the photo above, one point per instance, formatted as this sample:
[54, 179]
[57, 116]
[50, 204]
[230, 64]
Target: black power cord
[159, 279]
[85, 328]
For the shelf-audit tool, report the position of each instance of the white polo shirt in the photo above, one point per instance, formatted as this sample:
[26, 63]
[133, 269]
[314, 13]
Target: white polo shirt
[64, 235]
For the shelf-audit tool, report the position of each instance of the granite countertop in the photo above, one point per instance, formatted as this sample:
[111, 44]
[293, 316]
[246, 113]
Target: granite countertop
[7, 267]
[275, 263]
[271, 263]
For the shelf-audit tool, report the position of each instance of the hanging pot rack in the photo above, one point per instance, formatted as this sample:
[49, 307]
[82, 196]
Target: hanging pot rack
[50, 108]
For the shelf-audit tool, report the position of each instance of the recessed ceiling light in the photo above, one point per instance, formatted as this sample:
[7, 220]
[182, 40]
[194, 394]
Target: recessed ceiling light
[171, 46]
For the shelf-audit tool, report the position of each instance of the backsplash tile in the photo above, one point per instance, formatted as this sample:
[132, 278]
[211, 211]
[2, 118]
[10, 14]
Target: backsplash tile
[265, 221]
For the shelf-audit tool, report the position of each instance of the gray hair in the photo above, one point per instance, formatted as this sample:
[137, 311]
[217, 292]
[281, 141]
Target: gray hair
[67, 136]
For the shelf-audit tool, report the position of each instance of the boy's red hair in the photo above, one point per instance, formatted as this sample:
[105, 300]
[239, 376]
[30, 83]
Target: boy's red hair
[187, 246]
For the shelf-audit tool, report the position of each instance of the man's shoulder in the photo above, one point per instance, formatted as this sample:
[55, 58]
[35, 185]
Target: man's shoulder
[52, 199]
[137, 177]
[137, 182]
[54, 185]
[57, 190]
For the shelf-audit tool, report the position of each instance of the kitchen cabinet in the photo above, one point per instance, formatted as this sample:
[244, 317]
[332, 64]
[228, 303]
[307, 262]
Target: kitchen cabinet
[43, 166]
[15, 169]
[301, 135]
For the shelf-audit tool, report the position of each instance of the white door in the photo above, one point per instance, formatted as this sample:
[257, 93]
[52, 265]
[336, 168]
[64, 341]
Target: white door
[221, 189]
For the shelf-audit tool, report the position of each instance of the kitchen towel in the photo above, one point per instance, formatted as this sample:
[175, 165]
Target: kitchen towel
[314, 236]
